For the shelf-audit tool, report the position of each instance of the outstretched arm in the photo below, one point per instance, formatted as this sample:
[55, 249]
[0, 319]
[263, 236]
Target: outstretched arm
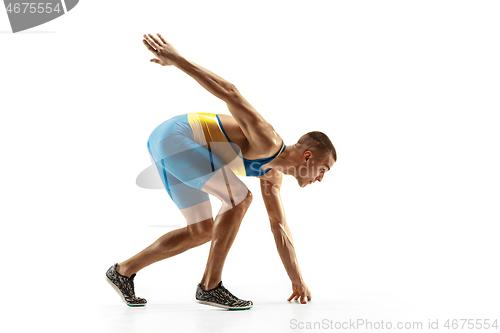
[284, 243]
[167, 55]
[246, 116]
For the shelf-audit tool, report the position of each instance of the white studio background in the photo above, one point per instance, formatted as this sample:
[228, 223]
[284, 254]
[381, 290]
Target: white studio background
[406, 90]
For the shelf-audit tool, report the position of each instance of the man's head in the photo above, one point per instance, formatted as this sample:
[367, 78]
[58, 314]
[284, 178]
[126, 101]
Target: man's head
[317, 157]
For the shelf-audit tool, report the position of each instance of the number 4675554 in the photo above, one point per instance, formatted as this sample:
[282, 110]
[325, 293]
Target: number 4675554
[33, 8]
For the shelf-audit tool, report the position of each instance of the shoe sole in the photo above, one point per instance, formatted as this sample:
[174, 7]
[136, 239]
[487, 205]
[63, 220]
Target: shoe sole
[120, 293]
[223, 306]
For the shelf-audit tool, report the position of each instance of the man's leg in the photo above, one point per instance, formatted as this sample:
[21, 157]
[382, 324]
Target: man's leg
[236, 198]
[224, 232]
[168, 245]
[195, 205]
[196, 208]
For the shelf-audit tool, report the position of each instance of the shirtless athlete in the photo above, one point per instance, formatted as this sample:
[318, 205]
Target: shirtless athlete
[198, 154]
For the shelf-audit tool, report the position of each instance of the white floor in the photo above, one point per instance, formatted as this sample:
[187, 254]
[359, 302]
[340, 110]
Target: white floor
[172, 308]
[84, 302]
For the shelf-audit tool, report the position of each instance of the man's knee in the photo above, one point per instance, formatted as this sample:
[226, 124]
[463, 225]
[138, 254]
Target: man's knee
[248, 198]
[240, 194]
[245, 202]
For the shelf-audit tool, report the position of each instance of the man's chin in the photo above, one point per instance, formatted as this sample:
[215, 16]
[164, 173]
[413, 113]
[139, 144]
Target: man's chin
[304, 184]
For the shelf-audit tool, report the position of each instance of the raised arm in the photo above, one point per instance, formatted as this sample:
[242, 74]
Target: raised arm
[270, 188]
[250, 121]
[245, 115]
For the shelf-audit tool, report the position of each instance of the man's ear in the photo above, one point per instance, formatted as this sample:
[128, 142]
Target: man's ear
[307, 155]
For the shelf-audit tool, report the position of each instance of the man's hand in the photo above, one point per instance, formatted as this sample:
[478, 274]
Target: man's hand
[300, 290]
[165, 52]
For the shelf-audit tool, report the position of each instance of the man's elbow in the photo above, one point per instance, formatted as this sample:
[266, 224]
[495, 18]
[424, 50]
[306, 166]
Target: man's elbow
[232, 94]
[231, 88]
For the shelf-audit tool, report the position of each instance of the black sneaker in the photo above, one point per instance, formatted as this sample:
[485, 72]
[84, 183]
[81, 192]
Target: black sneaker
[222, 298]
[124, 286]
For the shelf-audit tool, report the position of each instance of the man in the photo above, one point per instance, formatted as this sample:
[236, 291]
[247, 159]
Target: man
[198, 154]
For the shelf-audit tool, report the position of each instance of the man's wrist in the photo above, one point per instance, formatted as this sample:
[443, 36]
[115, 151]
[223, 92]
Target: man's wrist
[180, 63]
[298, 280]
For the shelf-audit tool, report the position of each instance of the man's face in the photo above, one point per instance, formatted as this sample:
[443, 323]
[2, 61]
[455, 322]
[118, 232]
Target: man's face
[312, 169]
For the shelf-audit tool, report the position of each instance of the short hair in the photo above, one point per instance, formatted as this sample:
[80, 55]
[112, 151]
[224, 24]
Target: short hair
[318, 140]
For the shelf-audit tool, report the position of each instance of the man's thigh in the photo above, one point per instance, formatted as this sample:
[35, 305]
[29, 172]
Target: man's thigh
[193, 203]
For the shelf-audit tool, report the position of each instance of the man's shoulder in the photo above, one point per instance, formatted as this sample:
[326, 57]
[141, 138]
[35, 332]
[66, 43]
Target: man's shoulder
[274, 176]
[265, 142]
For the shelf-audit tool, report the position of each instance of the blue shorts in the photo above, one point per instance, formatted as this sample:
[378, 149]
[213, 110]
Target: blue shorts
[183, 164]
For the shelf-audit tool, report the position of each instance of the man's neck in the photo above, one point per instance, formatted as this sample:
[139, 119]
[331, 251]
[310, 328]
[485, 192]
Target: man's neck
[287, 161]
